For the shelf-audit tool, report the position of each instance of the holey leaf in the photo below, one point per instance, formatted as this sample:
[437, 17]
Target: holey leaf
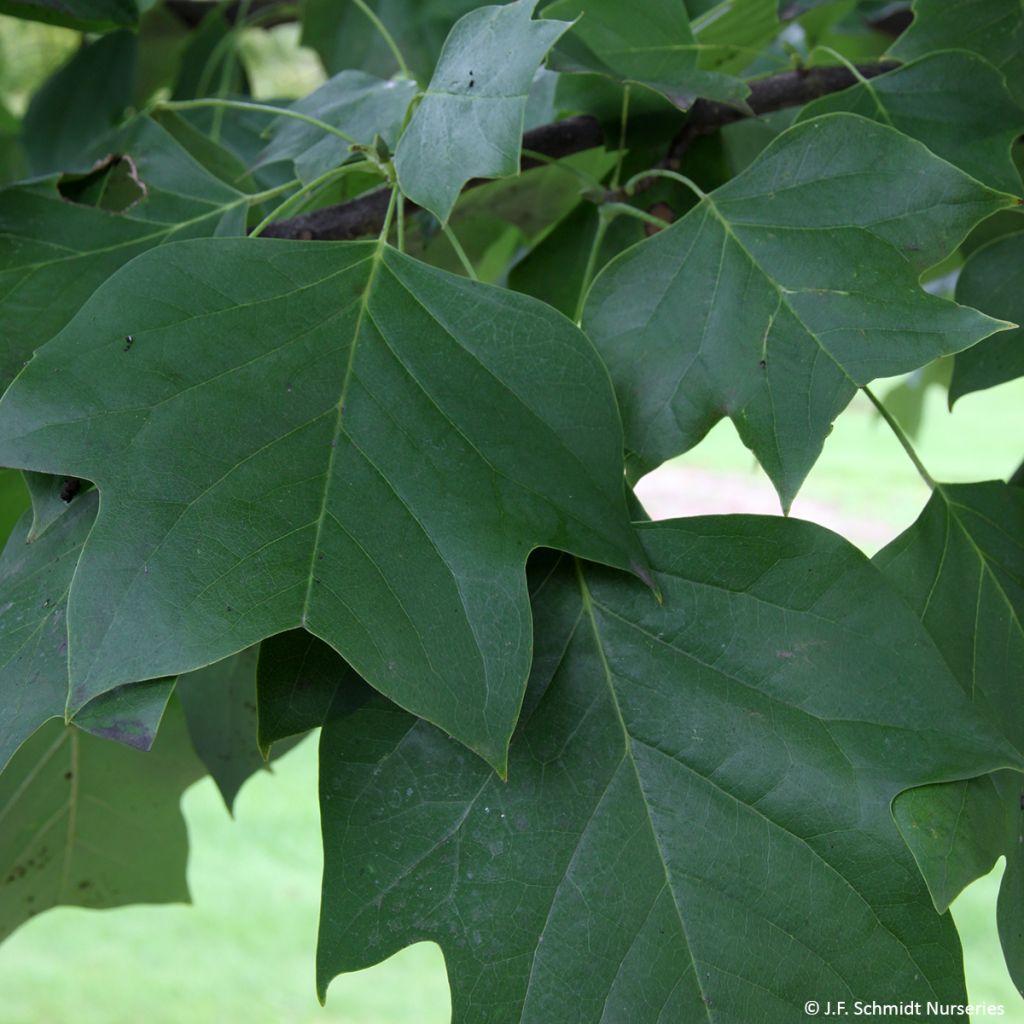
[716, 767]
[330, 436]
[470, 121]
[961, 568]
[784, 290]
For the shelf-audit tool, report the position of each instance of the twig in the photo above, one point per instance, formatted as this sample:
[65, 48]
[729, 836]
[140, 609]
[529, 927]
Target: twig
[364, 214]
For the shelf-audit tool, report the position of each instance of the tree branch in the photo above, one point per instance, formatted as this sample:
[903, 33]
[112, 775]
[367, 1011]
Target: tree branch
[365, 214]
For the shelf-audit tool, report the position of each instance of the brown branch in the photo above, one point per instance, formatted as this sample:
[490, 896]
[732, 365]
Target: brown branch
[365, 214]
[192, 12]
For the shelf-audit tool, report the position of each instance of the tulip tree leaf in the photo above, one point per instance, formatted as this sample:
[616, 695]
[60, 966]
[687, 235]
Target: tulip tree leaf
[476, 102]
[992, 280]
[992, 28]
[733, 34]
[961, 567]
[359, 104]
[54, 253]
[34, 582]
[301, 683]
[721, 765]
[955, 102]
[649, 42]
[129, 714]
[90, 823]
[85, 15]
[220, 710]
[784, 290]
[327, 436]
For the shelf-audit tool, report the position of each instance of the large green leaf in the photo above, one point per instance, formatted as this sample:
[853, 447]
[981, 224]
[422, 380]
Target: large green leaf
[697, 820]
[34, 582]
[992, 280]
[648, 41]
[469, 123]
[86, 15]
[961, 567]
[89, 823]
[345, 38]
[954, 102]
[330, 436]
[359, 104]
[992, 28]
[781, 292]
[54, 253]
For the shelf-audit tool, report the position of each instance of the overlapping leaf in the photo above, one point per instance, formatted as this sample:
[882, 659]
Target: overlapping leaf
[89, 823]
[992, 28]
[992, 280]
[54, 253]
[954, 102]
[697, 820]
[327, 436]
[649, 42]
[476, 103]
[359, 104]
[780, 293]
[961, 567]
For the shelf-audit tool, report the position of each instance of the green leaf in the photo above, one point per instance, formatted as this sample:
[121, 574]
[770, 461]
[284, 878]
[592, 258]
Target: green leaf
[954, 102]
[733, 34]
[129, 714]
[649, 42]
[358, 104]
[301, 683]
[780, 293]
[84, 99]
[330, 436]
[961, 567]
[55, 253]
[345, 38]
[993, 280]
[469, 123]
[85, 15]
[89, 823]
[220, 710]
[51, 497]
[697, 820]
[34, 582]
[994, 29]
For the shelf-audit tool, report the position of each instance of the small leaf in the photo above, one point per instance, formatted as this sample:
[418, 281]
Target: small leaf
[784, 290]
[954, 102]
[220, 709]
[733, 34]
[359, 104]
[51, 496]
[961, 567]
[89, 823]
[721, 765]
[649, 42]
[476, 103]
[327, 436]
[992, 280]
[130, 714]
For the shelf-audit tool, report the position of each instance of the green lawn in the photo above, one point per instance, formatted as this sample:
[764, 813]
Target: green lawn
[244, 952]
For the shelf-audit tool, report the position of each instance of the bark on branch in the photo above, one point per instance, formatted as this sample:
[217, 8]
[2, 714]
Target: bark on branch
[365, 214]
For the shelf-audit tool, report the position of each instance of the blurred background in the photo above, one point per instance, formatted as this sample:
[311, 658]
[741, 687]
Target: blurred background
[244, 950]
